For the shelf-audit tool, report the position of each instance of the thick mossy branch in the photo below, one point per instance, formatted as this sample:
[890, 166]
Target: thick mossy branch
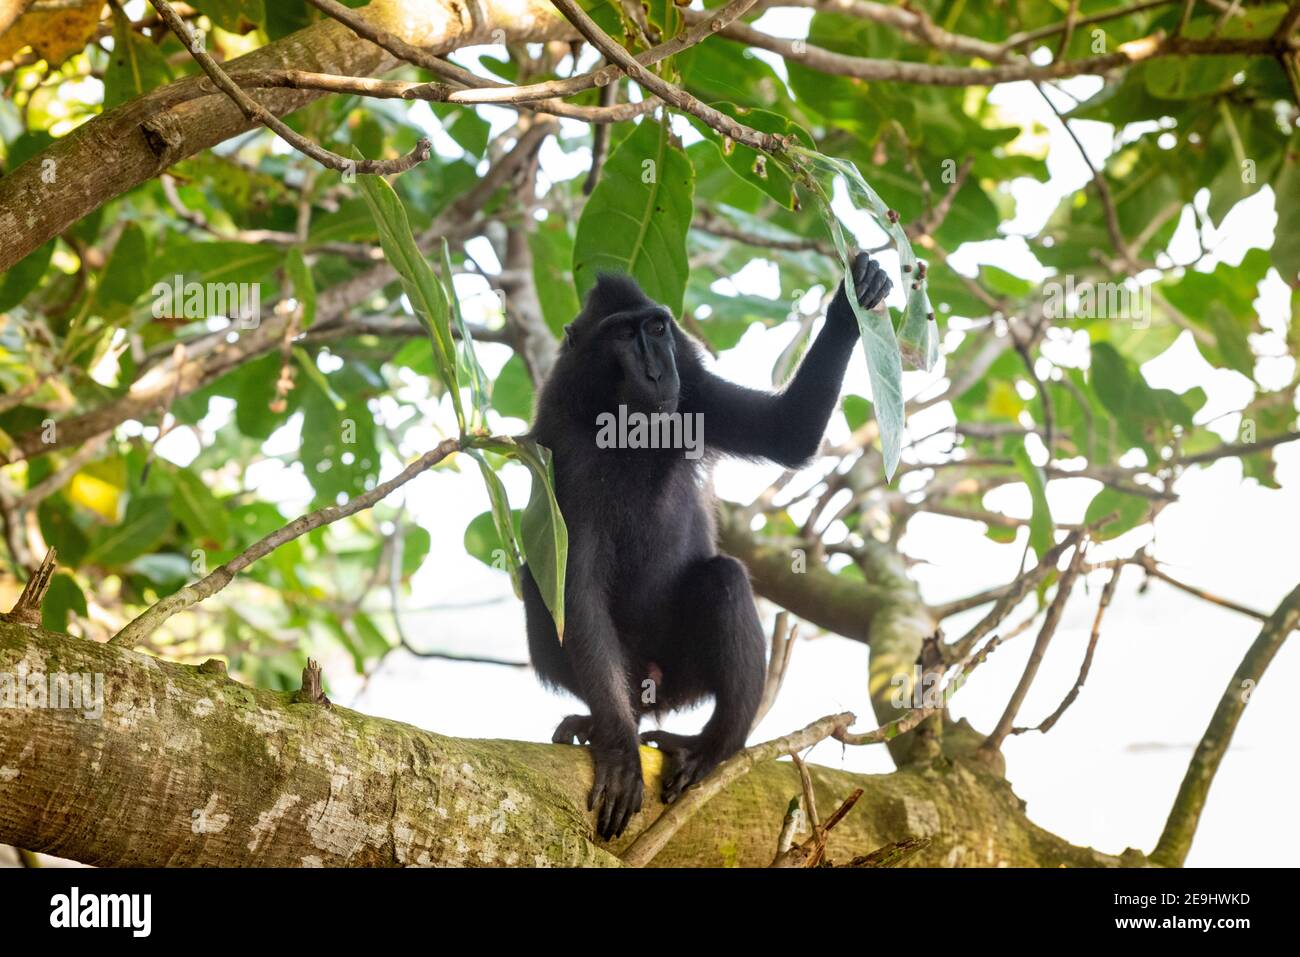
[187, 767]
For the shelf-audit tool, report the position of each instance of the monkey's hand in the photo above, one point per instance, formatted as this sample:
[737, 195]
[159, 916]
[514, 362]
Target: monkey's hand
[616, 792]
[871, 285]
[688, 760]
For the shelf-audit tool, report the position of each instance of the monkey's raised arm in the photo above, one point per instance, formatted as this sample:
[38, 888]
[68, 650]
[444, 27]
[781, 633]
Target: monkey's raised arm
[786, 426]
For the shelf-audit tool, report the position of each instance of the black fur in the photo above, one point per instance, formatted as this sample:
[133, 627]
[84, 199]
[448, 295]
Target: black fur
[648, 596]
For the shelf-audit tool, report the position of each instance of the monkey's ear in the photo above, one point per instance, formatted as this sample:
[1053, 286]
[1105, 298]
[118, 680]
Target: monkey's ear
[568, 332]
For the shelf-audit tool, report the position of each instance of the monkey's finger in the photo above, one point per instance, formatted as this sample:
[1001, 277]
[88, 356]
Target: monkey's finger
[862, 264]
[868, 279]
[875, 289]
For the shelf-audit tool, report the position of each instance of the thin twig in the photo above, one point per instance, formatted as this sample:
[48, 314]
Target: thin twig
[673, 95]
[1063, 589]
[652, 840]
[153, 617]
[1107, 592]
[784, 635]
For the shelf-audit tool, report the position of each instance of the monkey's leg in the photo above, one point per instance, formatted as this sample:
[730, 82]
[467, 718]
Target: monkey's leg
[720, 635]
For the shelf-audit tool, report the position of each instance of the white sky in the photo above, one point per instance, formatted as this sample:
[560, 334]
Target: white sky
[1107, 773]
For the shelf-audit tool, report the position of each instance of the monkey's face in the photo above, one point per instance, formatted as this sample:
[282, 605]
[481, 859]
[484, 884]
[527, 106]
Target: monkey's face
[641, 352]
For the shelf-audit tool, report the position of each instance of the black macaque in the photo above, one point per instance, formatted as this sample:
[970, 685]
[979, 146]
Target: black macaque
[656, 618]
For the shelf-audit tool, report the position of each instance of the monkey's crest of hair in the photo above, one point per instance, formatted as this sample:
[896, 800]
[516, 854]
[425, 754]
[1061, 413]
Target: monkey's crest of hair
[613, 292]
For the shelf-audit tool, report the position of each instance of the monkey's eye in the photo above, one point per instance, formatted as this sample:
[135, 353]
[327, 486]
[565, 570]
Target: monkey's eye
[625, 331]
[656, 327]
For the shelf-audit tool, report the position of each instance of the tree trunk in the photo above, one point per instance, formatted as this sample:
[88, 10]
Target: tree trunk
[187, 767]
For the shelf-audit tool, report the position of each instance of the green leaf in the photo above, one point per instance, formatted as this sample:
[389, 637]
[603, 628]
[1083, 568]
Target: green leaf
[230, 14]
[552, 249]
[473, 372]
[422, 288]
[542, 532]
[1040, 519]
[817, 173]
[126, 274]
[1129, 511]
[63, 598]
[502, 518]
[637, 217]
[857, 411]
[147, 522]
[918, 337]
[751, 166]
[304, 289]
[1286, 246]
[370, 640]
[199, 510]
[465, 126]
[415, 548]
[136, 66]
[216, 262]
[512, 393]
[25, 276]
[544, 535]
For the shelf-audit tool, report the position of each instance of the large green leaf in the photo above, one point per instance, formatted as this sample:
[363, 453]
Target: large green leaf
[636, 218]
[136, 66]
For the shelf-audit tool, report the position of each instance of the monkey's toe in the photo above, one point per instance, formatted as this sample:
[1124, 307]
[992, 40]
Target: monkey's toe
[688, 762]
[689, 768]
[616, 792]
[574, 729]
[667, 740]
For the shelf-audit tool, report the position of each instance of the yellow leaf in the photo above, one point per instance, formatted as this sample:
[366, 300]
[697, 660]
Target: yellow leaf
[102, 498]
[54, 35]
[1004, 402]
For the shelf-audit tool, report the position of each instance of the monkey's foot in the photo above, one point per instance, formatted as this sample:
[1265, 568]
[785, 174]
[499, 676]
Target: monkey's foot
[575, 729]
[616, 792]
[689, 761]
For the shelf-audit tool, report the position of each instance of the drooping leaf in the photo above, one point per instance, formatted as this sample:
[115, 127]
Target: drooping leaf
[1040, 519]
[427, 296]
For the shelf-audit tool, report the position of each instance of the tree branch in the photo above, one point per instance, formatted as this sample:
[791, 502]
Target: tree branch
[186, 767]
[256, 111]
[1185, 815]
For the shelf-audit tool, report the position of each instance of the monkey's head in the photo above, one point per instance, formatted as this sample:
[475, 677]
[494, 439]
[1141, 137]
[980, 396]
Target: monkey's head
[625, 346]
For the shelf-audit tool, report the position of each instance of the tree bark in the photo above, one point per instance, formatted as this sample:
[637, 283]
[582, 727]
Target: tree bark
[188, 767]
